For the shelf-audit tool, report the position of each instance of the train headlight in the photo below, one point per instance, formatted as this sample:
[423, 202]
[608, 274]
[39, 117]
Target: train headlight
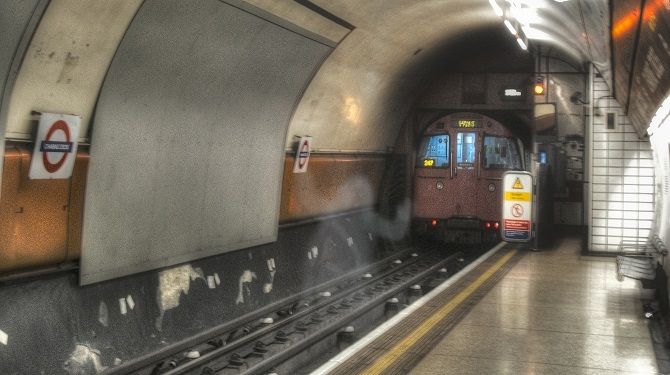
[439, 185]
[492, 187]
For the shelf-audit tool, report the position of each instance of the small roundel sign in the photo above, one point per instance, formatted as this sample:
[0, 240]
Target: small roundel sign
[302, 155]
[55, 146]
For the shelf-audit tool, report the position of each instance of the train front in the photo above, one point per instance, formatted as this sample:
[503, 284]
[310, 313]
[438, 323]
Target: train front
[459, 165]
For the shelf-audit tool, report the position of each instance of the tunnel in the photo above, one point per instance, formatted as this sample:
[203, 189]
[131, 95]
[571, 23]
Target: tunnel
[182, 179]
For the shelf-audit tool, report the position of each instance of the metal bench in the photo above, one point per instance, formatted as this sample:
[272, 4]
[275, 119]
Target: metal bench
[641, 264]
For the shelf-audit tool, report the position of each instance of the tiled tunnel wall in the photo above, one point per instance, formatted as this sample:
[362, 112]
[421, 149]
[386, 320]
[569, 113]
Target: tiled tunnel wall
[621, 174]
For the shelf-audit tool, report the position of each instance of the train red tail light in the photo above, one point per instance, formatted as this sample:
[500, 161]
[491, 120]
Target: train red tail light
[496, 225]
[433, 223]
[488, 225]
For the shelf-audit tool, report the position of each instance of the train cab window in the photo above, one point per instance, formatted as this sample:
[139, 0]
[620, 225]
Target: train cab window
[465, 149]
[434, 151]
[500, 153]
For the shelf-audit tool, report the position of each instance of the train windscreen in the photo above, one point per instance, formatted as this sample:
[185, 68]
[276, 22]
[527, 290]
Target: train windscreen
[465, 148]
[500, 153]
[434, 151]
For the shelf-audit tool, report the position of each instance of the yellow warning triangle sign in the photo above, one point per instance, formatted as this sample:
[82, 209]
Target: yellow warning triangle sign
[517, 184]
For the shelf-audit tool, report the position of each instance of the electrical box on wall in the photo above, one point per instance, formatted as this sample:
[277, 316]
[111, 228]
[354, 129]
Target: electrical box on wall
[568, 213]
[574, 175]
[574, 163]
[611, 120]
[574, 149]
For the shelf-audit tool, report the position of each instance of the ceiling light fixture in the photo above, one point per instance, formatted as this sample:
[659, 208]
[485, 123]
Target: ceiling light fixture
[535, 34]
[496, 8]
[522, 44]
[510, 27]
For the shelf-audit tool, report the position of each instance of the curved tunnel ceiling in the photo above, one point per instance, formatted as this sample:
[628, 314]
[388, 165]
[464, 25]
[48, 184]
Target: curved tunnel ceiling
[578, 28]
[360, 96]
[358, 99]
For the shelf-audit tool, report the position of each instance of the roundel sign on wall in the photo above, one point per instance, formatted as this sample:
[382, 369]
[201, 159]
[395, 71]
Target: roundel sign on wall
[302, 155]
[55, 146]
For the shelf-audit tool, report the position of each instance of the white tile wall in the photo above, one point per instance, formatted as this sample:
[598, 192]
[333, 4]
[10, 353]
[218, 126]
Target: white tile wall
[622, 178]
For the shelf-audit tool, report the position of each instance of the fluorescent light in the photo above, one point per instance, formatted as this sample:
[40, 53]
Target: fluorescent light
[526, 16]
[522, 44]
[496, 8]
[535, 34]
[510, 27]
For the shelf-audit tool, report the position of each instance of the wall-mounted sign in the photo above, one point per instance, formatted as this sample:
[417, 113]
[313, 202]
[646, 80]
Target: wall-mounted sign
[512, 92]
[517, 215]
[302, 155]
[55, 146]
[544, 120]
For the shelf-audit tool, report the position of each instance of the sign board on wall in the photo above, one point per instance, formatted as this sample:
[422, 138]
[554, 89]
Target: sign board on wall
[517, 215]
[55, 146]
[302, 155]
[513, 94]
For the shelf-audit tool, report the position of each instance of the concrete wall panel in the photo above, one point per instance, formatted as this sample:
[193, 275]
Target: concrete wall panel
[15, 16]
[186, 156]
[66, 61]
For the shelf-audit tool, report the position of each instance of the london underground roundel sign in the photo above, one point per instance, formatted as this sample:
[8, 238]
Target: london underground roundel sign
[55, 146]
[302, 155]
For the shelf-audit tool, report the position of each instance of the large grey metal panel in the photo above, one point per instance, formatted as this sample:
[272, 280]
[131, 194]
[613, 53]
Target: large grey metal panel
[14, 18]
[17, 18]
[187, 140]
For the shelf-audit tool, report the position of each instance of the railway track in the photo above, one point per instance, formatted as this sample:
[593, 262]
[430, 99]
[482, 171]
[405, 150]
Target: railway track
[265, 341]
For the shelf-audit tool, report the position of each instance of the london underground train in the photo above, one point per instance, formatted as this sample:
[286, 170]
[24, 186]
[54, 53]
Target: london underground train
[458, 169]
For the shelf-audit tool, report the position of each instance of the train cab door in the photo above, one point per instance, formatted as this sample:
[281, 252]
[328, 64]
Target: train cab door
[464, 156]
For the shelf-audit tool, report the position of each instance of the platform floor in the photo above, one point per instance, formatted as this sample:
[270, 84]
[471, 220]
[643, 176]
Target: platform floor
[554, 312]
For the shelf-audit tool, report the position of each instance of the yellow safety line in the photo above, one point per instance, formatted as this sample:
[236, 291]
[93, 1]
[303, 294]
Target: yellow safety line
[383, 362]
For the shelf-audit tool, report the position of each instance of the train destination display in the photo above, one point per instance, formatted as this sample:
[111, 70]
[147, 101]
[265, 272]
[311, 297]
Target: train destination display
[467, 123]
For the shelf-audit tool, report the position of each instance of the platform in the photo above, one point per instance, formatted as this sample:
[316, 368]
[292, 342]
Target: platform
[518, 312]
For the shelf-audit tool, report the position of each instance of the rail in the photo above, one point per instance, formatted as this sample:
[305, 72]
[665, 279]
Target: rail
[270, 338]
[139, 365]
